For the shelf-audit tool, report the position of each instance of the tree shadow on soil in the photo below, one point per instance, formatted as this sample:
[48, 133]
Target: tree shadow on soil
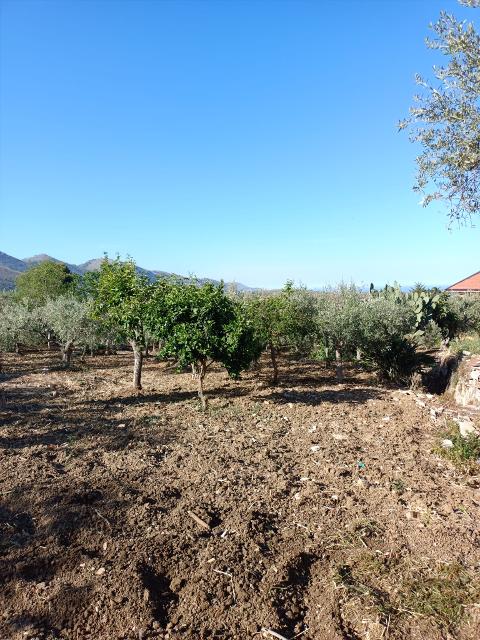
[112, 435]
[334, 396]
[173, 396]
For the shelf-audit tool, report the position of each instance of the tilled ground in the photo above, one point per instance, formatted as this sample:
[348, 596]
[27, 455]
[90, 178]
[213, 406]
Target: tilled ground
[313, 510]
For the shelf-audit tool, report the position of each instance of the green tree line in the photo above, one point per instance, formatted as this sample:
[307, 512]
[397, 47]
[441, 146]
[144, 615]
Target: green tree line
[197, 326]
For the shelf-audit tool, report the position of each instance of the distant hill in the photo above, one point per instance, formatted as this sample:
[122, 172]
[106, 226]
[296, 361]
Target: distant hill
[11, 268]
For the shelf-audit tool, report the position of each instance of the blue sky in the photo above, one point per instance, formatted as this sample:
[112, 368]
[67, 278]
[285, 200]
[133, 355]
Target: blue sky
[250, 140]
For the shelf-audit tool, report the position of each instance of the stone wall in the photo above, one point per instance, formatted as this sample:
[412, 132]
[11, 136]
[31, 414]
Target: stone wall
[465, 382]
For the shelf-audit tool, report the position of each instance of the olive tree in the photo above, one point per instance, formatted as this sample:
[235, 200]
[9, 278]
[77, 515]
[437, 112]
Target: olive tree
[283, 319]
[386, 327]
[121, 301]
[200, 325]
[339, 322]
[445, 120]
[69, 319]
[467, 309]
[19, 325]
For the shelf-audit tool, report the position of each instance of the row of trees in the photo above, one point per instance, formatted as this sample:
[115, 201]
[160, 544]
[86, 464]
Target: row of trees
[198, 325]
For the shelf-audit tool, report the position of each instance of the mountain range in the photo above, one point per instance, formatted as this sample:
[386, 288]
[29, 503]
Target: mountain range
[11, 268]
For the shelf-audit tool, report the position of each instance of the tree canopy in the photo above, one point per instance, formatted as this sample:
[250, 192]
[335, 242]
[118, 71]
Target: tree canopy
[43, 281]
[201, 325]
[122, 301]
[445, 120]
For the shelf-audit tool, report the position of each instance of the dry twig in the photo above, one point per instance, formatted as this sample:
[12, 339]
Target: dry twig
[199, 521]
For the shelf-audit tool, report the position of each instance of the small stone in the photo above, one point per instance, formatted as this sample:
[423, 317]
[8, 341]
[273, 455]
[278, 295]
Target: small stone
[447, 443]
[466, 428]
[146, 595]
[100, 572]
[315, 448]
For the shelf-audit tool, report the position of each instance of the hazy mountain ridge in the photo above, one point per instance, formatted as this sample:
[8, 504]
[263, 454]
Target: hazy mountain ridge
[11, 268]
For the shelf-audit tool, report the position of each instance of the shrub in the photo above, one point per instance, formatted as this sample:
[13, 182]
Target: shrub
[385, 324]
[432, 336]
[469, 343]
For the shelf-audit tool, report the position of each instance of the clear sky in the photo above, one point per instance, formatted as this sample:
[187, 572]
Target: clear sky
[250, 140]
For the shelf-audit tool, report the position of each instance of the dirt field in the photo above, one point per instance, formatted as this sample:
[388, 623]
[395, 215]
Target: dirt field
[314, 509]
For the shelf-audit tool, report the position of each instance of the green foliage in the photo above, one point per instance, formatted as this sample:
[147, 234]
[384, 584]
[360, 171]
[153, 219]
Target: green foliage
[385, 323]
[282, 319]
[465, 452]
[70, 321]
[44, 281]
[121, 299]
[86, 285]
[432, 336]
[200, 325]
[19, 325]
[122, 304]
[429, 305]
[467, 309]
[442, 595]
[339, 320]
[470, 343]
[445, 120]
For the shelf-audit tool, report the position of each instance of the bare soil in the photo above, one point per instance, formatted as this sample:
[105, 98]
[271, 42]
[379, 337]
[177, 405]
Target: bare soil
[313, 509]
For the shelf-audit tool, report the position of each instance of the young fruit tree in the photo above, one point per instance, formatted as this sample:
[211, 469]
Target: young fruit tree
[199, 325]
[121, 301]
[339, 323]
[69, 320]
[445, 120]
[285, 319]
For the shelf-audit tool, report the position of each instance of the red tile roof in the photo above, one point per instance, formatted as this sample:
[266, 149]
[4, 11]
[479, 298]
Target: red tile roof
[472, 283]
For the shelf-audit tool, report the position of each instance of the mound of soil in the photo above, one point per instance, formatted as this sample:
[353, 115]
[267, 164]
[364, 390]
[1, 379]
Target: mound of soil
[314, 509]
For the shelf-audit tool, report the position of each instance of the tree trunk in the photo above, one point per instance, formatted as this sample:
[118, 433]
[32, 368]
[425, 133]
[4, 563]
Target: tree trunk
[49, 340]
[137, 365]
[273, 355]
[359, 354]
[67, 353]
[147, 349]
[199, 370]
[338, 365]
